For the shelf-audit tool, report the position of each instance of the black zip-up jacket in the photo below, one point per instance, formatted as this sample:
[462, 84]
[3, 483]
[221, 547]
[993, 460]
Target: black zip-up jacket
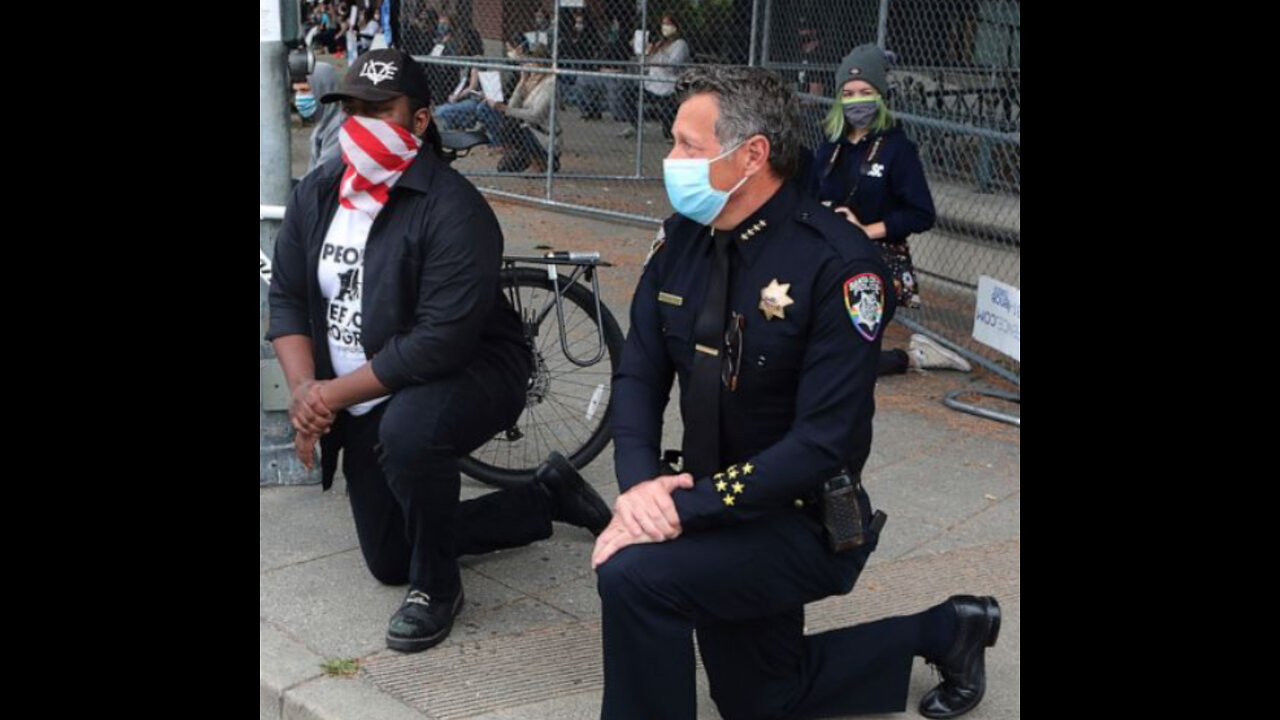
[431, 301]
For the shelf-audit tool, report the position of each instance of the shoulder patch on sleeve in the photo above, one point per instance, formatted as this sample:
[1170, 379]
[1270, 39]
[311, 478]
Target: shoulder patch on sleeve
[865, 302]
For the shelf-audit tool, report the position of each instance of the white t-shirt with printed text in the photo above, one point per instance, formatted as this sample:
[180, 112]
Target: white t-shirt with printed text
[341, 275]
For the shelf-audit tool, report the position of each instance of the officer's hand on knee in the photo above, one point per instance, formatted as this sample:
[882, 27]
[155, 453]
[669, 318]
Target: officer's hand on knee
[647, 509]
[614, 538]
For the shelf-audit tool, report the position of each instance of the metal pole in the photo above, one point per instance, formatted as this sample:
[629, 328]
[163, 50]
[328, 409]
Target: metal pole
[276, 460]
[882, 28]
[273, 120]
[644, 29]
[583, 210]
[768, 23]
[555, 96]
[984, 165]
[755, 21]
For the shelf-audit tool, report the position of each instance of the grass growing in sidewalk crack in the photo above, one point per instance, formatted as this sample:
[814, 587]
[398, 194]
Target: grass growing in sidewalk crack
[340, 667]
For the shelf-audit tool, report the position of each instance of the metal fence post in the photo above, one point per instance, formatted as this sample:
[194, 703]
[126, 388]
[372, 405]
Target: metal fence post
[277, 463]
[882, 25]
[644, 29]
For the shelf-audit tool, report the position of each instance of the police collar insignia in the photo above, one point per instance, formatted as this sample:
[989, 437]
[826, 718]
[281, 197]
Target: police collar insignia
[774, 300]
[751, 231]
[658, 242]
[864, 299]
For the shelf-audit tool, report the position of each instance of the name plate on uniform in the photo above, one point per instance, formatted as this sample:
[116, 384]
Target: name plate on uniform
[670, 299]
[998, 316]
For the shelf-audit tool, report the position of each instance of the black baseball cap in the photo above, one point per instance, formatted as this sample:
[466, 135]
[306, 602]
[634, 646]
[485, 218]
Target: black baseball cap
[381, 75]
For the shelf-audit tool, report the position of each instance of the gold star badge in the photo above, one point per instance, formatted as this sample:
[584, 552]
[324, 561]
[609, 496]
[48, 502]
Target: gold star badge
[728, 499]
[738, 488]
[774, 300]
[720, 486]
[746, 469]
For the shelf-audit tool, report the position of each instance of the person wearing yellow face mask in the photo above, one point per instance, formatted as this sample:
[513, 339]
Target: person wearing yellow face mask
[870, 173]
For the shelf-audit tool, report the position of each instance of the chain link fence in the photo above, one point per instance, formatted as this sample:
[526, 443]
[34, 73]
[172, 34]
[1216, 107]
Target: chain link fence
[589, 127]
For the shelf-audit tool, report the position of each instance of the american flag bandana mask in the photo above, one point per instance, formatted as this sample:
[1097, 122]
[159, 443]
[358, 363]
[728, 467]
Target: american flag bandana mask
[376, 153]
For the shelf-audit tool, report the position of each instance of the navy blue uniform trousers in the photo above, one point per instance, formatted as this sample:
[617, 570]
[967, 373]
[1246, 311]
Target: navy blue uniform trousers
[742, 589]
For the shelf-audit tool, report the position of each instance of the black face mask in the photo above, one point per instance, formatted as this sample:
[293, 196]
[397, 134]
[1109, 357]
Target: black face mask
[861, 114]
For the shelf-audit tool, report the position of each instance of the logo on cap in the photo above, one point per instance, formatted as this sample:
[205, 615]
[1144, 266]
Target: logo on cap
[855, 71]
[377, 71]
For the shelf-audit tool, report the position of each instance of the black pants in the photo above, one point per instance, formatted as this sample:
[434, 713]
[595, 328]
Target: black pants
[519, 139]
[401, 464]
[662, 108]
[742, 589]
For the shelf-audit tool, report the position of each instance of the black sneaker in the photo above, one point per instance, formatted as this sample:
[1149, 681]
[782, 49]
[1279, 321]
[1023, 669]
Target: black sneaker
[573, 501]
[421, 622]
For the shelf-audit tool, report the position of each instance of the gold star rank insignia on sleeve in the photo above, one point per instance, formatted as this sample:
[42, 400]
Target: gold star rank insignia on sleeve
[728, 500]
[748, 468]
[733, 472]
[720, 486]
[774, 300]
[738, 488]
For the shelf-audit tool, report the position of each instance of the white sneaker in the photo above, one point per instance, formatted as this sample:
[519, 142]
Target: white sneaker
[930, 355]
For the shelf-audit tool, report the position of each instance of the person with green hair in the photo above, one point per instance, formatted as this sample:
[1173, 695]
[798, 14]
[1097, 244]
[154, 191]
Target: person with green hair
[869, 171]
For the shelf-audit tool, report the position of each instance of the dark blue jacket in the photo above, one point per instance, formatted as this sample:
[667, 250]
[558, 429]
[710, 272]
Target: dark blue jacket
[804, 402]
[890, 188]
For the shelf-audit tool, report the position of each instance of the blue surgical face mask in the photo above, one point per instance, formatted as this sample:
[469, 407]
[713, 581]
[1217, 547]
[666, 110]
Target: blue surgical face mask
[306, 104]
[689, 189]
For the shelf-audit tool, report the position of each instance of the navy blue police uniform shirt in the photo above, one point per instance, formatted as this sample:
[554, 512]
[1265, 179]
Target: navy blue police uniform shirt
[812, 291]
[886, 172]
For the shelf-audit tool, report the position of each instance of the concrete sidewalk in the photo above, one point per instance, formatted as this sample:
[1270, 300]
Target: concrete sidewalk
[527, 644]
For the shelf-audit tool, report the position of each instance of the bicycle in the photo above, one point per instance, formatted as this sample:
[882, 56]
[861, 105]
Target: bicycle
[568, 402]
[568, 405]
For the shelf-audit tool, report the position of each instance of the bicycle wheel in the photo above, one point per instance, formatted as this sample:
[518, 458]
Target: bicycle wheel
[567, 408]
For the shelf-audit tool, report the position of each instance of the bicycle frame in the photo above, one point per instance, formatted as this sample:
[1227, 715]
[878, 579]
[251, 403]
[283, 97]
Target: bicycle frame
[584, 265]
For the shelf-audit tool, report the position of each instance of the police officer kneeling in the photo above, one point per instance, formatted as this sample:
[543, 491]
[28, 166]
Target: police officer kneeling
[769, 309]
